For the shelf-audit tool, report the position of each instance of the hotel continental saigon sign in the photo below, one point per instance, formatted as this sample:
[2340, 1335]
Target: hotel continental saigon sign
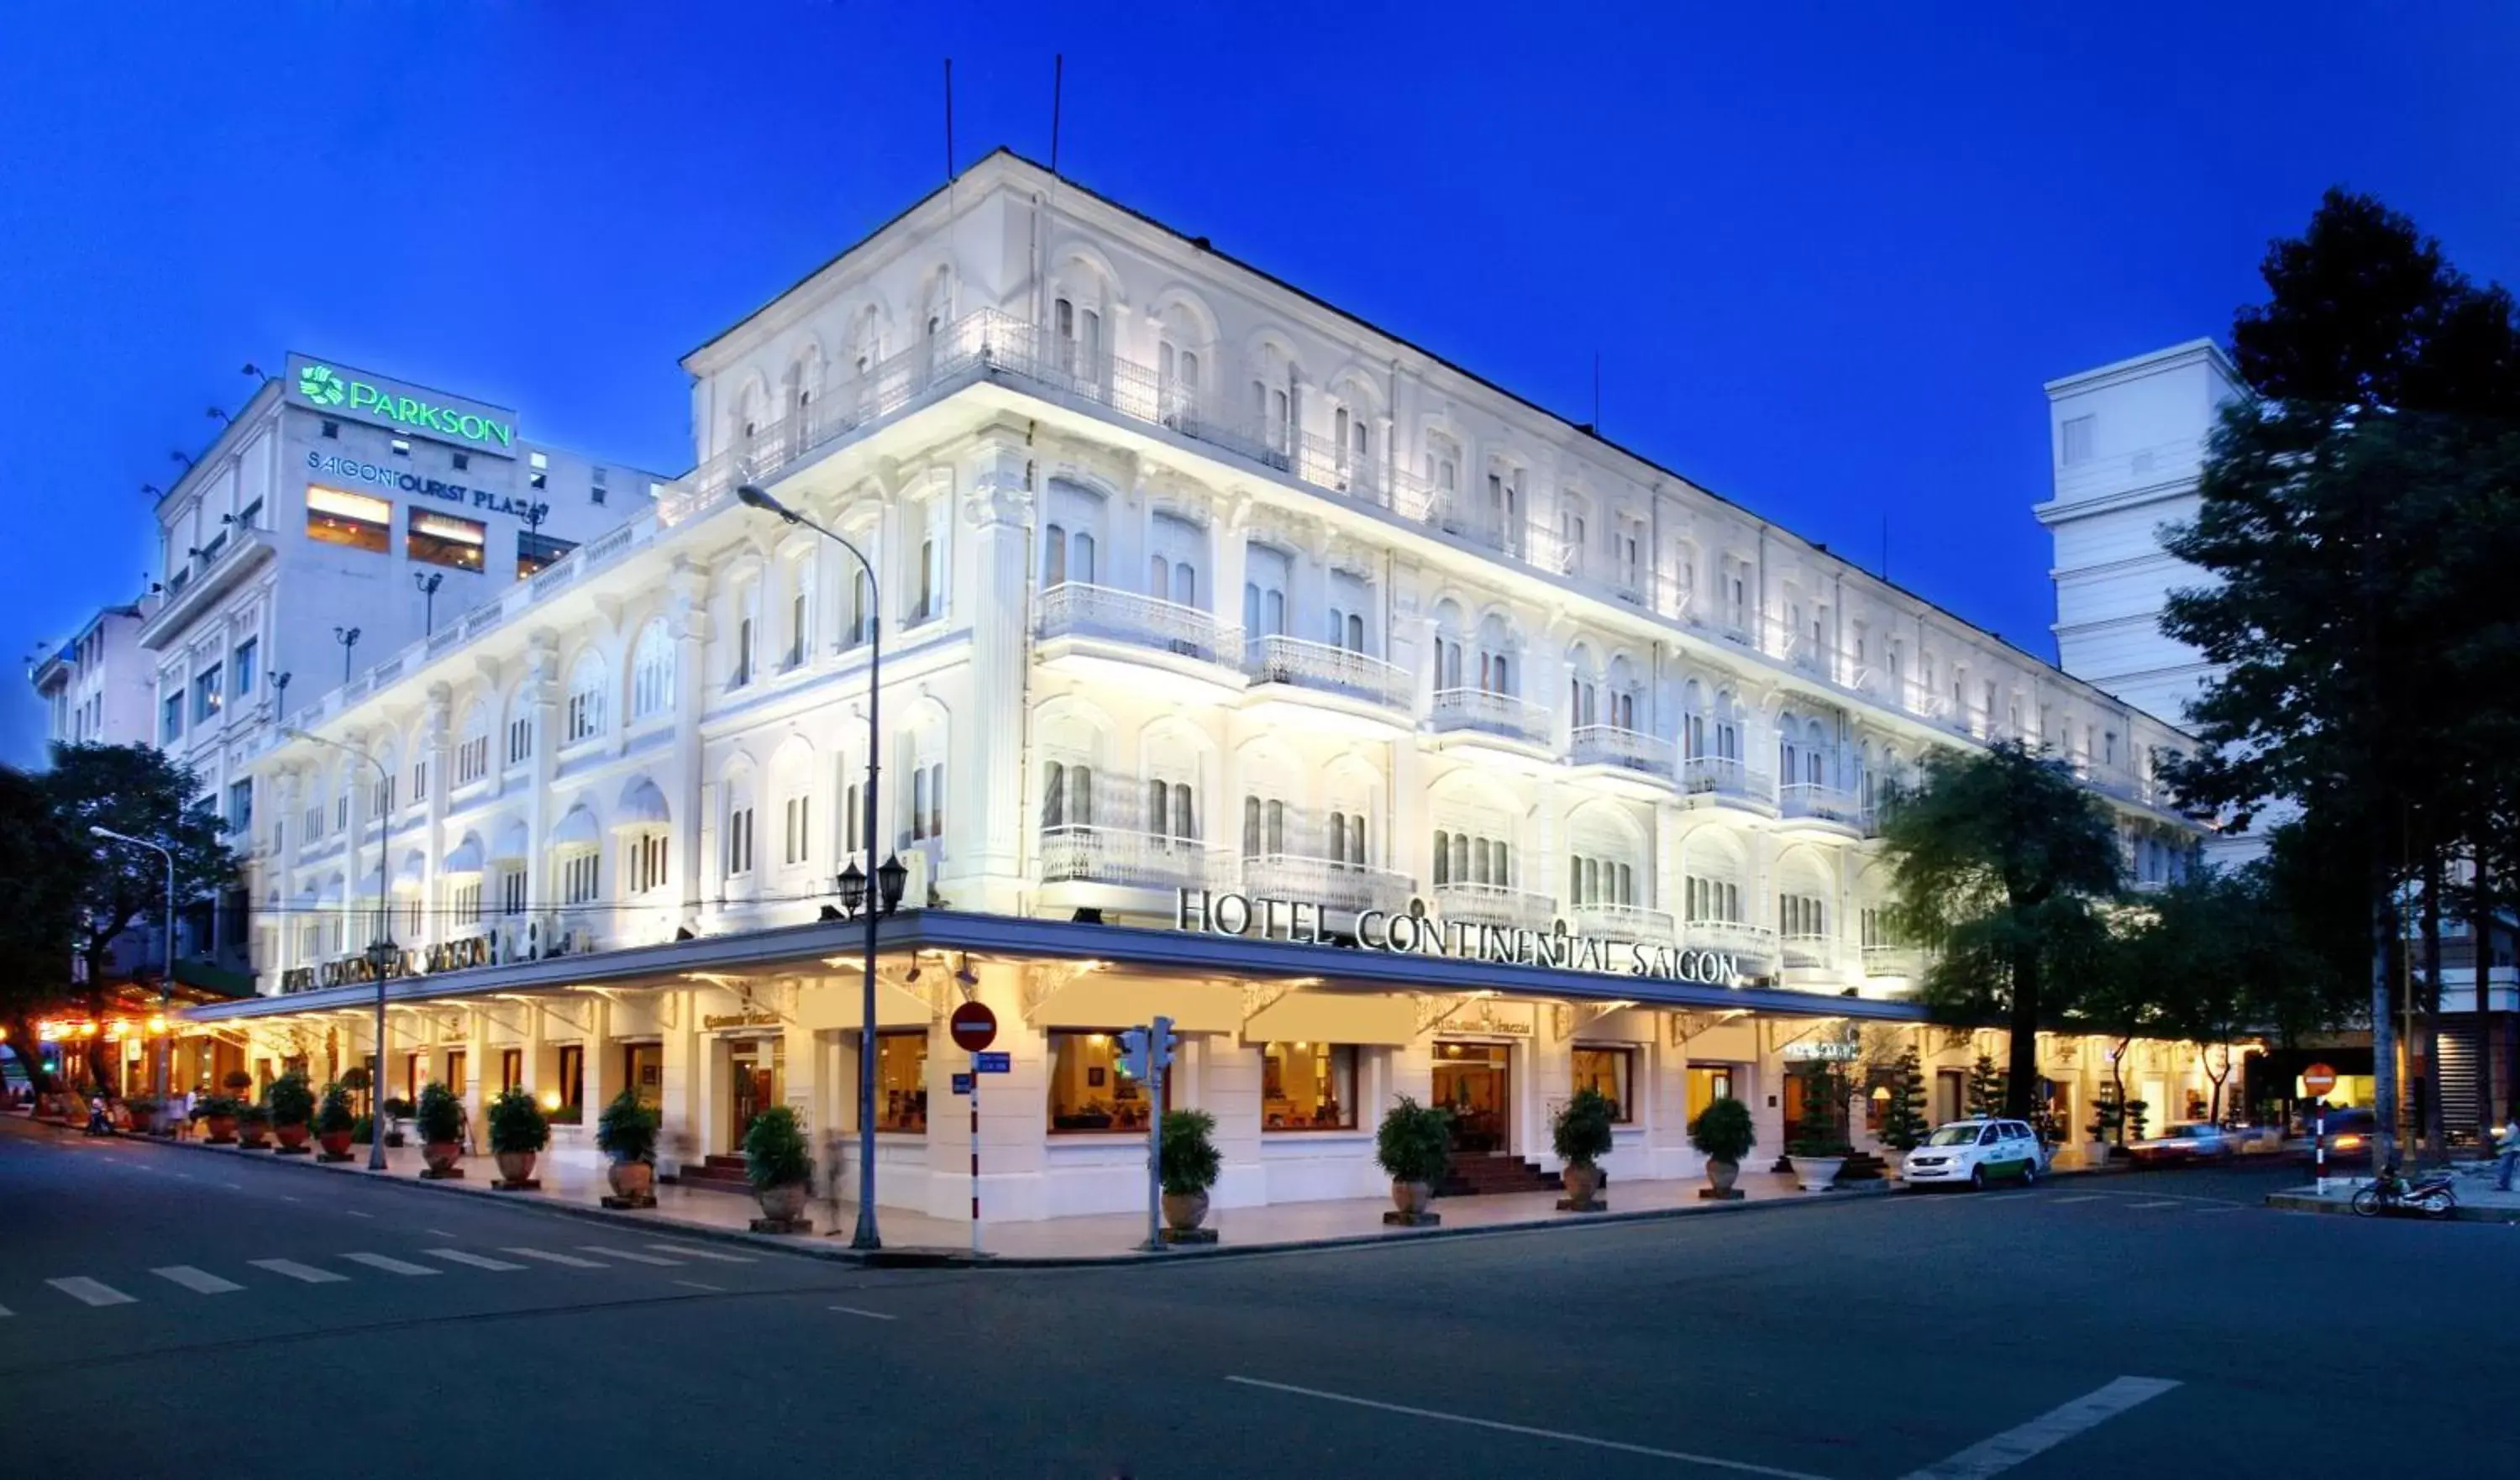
[1416, 932]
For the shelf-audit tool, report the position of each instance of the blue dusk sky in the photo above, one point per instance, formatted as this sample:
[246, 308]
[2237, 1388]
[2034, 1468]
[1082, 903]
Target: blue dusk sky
[1827, 254]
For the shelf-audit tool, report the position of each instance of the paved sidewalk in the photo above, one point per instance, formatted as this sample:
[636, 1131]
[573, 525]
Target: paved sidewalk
[2478, 1202]
[577, 1189]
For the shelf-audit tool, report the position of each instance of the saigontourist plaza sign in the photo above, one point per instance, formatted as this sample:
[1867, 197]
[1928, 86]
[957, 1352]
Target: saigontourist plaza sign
[1415, 932]
[359, 395]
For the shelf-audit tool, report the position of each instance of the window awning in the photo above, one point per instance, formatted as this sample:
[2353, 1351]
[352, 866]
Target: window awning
[641, 806]
[414, 866]
[513, 845]
[466, 857]
[577, 830]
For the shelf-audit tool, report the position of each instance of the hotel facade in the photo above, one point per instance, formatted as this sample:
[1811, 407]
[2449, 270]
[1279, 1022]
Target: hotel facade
[1241, 663]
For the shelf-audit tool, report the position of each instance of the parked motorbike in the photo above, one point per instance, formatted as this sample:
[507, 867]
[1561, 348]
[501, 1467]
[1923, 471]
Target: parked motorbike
[2434, 1196]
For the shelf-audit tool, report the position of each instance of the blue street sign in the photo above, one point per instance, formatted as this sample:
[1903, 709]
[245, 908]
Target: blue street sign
[962, 1084]
[995, 1064]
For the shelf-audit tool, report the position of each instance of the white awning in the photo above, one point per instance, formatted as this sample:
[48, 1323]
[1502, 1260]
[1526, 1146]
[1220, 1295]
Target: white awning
[577, 830]
[414, 866]
[466, 857]
[513, 845]
[641, 806]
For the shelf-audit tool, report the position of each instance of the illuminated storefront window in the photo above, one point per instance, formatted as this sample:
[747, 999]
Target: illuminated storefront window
[1089, 1090]
[442, 539]
[1610, 1071]
[901, 1081]
[354, 519]
[1308, 1087]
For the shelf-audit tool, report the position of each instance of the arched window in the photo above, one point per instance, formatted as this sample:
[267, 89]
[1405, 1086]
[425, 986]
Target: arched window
[1815, 754]
[586, 695]
[1066, 795]
[1177, 549]
[651, 671]
[473, 751]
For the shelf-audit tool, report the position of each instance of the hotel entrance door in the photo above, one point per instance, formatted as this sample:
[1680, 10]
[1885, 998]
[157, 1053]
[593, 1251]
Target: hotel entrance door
[753, 1074]
[1472, 1080]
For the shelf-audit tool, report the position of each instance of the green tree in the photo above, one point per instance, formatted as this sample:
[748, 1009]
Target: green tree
[139, 792]
[2000, 861]
[1903, 1118]
[39, 901]
[1986, 1086]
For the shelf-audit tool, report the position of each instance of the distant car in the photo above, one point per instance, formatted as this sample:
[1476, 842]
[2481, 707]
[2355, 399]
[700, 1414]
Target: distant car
[2347, 1132]
[2183, 1145]
[1976, 1153]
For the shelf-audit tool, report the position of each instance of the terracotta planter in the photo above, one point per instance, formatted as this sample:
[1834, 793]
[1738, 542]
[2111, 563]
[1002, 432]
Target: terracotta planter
[1721, 1175]
[291, 1137]
[1411, 1197]
[785, 1202]
[335, 1142]
[222, 1129]
[515, 1166]
[441, 1155]
[1582, 1184]
[1185, 1211]
[253, 1138]
[632, 1179]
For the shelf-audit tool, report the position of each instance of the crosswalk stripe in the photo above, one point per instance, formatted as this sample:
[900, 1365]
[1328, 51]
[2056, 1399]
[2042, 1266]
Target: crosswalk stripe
[477, 1261]
[295, 1270]
[689, 1252]
[92, 1292]
[192, 1279]
[390, 1264]
[2152, 1204]
[633, 1255]
[548, 1257]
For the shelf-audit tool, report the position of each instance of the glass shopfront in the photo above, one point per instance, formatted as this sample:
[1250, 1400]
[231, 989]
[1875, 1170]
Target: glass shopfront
[1308, 1086]
[643, 1070]
[1707, 1083]
[1613, 1073]
[901, 1080]
[1473, 1080]
[1089, 1091]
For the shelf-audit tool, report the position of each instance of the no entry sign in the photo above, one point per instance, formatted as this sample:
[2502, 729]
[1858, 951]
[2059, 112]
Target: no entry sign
[2317, 1080]
[975, 1028]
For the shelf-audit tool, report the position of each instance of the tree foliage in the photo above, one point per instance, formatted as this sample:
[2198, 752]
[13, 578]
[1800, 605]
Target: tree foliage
[39, 901]
[139, 792]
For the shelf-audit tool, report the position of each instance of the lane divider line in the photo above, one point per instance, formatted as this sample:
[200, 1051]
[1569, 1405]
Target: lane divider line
[2040, 1434]
[633, 1255]
[689, 1251]
[548, 1257]
[851, 1310]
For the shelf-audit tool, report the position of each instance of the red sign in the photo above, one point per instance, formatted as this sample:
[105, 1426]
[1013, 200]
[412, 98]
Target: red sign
[975, 1028]
[2316, 1081]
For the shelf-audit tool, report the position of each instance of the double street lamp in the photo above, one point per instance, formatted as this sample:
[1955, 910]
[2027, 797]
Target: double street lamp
[381, 950]
[165, 984]
[887, 881]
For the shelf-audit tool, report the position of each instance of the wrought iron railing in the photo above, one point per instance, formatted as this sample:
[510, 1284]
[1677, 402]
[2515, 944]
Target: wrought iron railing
[1494, 713]
[1276, 659]
[1628, 749]
[1725, 776]
[1074, 609]
[1496, 904]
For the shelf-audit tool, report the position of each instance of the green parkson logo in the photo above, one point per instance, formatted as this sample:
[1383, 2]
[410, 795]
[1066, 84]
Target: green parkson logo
[324, 387]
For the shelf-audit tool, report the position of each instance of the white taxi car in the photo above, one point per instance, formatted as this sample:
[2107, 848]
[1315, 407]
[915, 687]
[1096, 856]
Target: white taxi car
[1976, 1153]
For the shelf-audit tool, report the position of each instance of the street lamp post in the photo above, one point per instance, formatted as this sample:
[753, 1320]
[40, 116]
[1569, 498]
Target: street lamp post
[381, 950]
[348, 638]
[428, 582]
[165, 984]
[879, 890]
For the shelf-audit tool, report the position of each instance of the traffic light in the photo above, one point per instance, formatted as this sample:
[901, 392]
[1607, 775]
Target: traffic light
[1133, 1053]
[1163, 1042]
[1146, 1051]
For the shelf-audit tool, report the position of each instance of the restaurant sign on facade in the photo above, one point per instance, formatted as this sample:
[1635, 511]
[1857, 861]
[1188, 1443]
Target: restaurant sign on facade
[450, 956]
[1418, 932]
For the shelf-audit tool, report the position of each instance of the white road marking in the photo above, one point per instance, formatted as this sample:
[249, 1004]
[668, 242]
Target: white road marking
[2078, 1197]
[477, 1261]
[6, 1313]
[2134, 1205]
[689, 1252]
[81, 1288]
[2233, 1209]
[390, 1264]
[633, 1255]
[295, 1270]
[2045, 1432]
[851, 1310]
[192, 1279]
[285, 1198]
[355, 1213]
[571, 1260]
[1710, 1461]
[694, 1285]
[437, 1232]
[232, 1187]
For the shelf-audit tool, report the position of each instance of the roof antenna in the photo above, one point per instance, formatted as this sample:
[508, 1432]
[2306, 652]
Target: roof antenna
[1057, 76]
[1885, 547]
[949, 120]
[1597, 392]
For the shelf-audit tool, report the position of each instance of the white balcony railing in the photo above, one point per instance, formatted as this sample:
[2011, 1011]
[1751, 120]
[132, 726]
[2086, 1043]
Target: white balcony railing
[1130, 859]
[1276, 659]
[1822, 801]
[1620, 922]
[1725, 776]
[1892, 961]
[1074, 609]
[1494, 713]
[1336, 884]
[1806, 950]
[1729, 935]
[1496, 904]
[1628, 749]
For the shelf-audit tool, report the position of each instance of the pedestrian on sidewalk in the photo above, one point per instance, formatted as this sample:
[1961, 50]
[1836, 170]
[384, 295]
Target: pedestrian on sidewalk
[2507, 1142]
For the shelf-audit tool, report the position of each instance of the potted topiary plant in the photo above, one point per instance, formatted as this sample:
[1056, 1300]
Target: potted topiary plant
[253, 1127]
[1190, 1167]
[292, 1104]
[518, 1131]
[397, 1110]
[218, 1120]
[238, 1085]
[779, 1165]
[440, 1116]
[1412, 1145]
[1723, 1135]
[1580, 1134]
[627, 1133]
[143, 1111]
[334, 1122]
[1819, 1147]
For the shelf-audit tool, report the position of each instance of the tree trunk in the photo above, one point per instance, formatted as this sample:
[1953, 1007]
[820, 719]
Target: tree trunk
[2436, 1141]
[2022, 1082]
[2480, 934]
[2384, 1040]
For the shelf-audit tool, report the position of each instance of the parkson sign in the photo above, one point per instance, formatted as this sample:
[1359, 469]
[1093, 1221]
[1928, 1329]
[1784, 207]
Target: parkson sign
[1415, 933]
[339, 391]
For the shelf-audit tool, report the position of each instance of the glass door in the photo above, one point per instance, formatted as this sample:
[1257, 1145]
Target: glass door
[1473, 1082]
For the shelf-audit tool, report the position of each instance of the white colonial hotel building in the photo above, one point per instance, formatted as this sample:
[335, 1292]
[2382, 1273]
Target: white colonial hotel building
[1189, 581]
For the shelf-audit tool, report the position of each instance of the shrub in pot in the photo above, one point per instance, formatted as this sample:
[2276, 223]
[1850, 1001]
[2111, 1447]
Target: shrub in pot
[239, 1083]
[1819, 1147]
[518, 1131]
[778, 1163]
[1189, 1166]
[627, 1133]
[397, 1110]
[1580, 1134]
[291, 1106]
[218, 1115]
[440, 1118]
[1723, 1135]
[334, 1121]
[253, 1127]
[1412, 1145]
[143, 1111]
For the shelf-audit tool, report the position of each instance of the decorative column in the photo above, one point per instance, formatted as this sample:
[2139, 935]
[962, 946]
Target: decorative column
[435, 924]
[687, 623]
[985, 812]
[538, 695]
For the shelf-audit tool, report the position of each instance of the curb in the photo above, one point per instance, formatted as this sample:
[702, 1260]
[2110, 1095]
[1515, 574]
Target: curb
[2312, 1202]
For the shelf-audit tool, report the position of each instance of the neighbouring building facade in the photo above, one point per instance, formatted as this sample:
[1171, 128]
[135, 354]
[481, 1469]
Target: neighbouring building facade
[1241, 663]
[96, 688]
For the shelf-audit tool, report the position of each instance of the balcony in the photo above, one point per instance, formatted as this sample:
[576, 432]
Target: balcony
[1817, 801]
[1725, 778]
[1893, 961]
[1620, 922]
[1325, 669]
[1122, 628]
[1336, 884]
[1477, 711]
[1627, 750]
[201, 580]
[1805, 952]
[1729, 935]
[1129, 860]
[1495, 905]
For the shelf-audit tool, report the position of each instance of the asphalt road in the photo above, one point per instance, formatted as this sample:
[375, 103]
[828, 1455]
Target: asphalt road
[175, 1314]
